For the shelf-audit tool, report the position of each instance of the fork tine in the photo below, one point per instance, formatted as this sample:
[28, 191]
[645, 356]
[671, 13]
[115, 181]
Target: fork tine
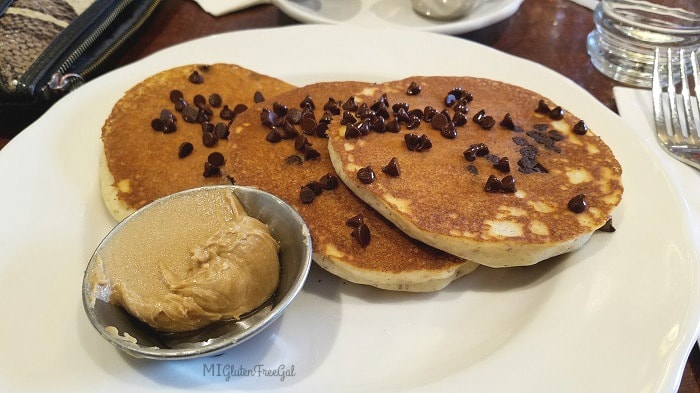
[676, 131]
[657, 94]
[685, 96]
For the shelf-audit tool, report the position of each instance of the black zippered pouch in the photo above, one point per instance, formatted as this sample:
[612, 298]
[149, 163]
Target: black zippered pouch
[48, 47]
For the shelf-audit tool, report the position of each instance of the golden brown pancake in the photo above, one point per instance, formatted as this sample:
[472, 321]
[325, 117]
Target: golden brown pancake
[278, 162]
[141, 164]
[442, 194]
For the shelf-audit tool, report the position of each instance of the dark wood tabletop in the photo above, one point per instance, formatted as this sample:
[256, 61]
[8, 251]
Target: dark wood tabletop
[550, 32]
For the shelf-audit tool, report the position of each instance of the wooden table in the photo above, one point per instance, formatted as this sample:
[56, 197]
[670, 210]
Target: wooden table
[550, 32]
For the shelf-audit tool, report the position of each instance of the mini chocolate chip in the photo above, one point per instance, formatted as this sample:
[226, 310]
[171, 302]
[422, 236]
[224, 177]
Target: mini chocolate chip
[307, 102]
[185, 149]
[608, 226]
[315, 186]
[355, 221]
[459, 119]
[196, 78]
[268, 118]
[428, 113]
[307, 195]
[413, 122]
[449, 131]
[216, 159]
[258, 97]
[310, 153]
[157, 124]
[180, 105]
[507, 122]
[413, 89]
[293, 160]
[450, 100]
[439, 121]
[199, 101]
[215, 100]
[175, 96]
[207, 127]
[238, 109]
[578, 203]
[377, 124]
[348, 118]
[321, 129]
[208, 139]
[480, 149]
[392, 168]
[478, 116]
[461, 107]
[417, 143]
[332, 106]
[274, 135]
[301, 142]
[470, 155]
[329, 181]
[508, 184]
[492, 184]
[289, 131]
[166, 115]
[280, 109]
[308, 125]
[542, 108]
[366, 175]
[226, 113]
[211, 170]
[362, 235]
[190, 114]
[204, 67]
[169, 127]
[350, 104]
[503, 165]
[221, 131]
[580, 128]
[487, 122]
[392, 126]
[556, 113]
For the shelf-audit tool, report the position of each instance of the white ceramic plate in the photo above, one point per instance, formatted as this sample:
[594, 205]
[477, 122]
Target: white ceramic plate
[619, 315]
[394, 13]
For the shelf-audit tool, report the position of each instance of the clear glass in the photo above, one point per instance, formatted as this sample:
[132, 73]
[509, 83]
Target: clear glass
[627, 32]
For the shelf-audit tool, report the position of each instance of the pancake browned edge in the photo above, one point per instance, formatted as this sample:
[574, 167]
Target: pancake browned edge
[390, 260]
[139, 164]
[440, 196]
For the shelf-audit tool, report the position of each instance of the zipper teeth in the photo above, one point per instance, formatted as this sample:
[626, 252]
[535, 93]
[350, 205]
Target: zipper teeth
[92, 37]
[118, 43]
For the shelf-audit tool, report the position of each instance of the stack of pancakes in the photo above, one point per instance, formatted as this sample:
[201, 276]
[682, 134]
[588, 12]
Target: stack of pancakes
[397, 203]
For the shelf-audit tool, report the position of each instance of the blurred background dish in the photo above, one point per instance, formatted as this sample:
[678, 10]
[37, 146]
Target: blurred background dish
[395, 13]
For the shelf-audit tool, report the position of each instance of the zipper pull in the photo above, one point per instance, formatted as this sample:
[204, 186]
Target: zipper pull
[61, 83]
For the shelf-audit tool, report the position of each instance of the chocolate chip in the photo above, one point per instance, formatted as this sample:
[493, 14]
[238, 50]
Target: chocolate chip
[377, 124]
[362, 235]
[190, 114]
[185, 149]
[580, 128]
[199, 101]
[221, 131]
[157, 124]
[503, 165]
[355, 221]
[180, 105]
[293, 160]
[289, 131]
[480, 149]
[428, 113]
[366, 175]
[332, 106]
[308, 125]
[520, 141]
[578, 203]
[238, 109]
[556, 113]
[542, 108]
[608, 226]
[392, 168]
[507, 122]
[508, 184]
[413, 89]
[472, 169]
[487, 122]
[459, 119]
[294, 115]
[439, 121]
[169, 127]
[329, 181]
[207, 127]
[258, 97]
[226, 113]
[307, 102]
[274, 135]
[352, 132]
[307, 195]
[301, 142]
[211, 170]
[392, 126]
[478, 116]
[216, 159]
[176, 96]
[215, 100]
[196, 78]
[417, 143]
[315, 186]
[208, 139]
[321, 129]
[449, 131]
[310, 153]
[492, 184]
[348, 118]
[350, 104]
[413, 122]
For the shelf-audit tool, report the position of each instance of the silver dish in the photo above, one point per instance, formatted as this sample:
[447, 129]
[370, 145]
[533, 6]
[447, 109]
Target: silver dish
[286, 226]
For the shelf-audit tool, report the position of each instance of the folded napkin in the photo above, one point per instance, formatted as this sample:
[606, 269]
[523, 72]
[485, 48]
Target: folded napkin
[222, 7]
[635, 108]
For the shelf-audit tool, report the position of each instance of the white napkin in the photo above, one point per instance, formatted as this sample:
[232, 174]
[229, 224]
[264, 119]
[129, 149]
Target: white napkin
[587, 3]
[222, 7]
[635, 108]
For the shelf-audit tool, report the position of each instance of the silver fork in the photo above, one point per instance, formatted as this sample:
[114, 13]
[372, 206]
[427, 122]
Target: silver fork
[677, 114]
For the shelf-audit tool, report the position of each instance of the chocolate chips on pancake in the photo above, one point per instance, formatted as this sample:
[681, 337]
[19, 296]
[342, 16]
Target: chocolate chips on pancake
[537, 183]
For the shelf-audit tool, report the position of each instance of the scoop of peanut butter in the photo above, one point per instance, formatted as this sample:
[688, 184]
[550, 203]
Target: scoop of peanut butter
[197, 261]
